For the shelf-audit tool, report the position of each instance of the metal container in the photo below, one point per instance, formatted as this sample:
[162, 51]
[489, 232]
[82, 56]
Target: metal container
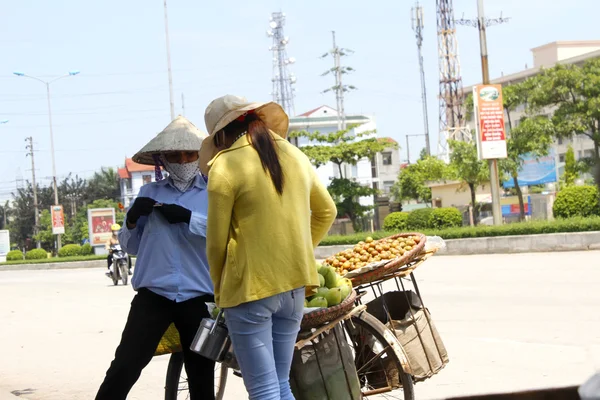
[212, 339]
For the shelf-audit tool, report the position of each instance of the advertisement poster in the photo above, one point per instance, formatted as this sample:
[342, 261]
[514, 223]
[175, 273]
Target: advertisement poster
[535, 171]
[4, 242]
[99, 221]
[491, 135]
[58, 220]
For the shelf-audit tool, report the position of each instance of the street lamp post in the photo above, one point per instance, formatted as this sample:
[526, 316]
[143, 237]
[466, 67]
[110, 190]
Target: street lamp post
[47, 84]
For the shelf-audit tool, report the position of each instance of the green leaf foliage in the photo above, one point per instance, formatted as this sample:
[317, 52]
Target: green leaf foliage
[576, 224]
[577, 201]
[36, 254]
[419, 219]
[70, 250]
[445, 217]
[396, 221]
[14, 255]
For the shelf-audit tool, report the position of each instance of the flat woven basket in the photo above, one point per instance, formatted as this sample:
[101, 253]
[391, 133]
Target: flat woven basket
[169, 343]
[394, 265]
[321, 316]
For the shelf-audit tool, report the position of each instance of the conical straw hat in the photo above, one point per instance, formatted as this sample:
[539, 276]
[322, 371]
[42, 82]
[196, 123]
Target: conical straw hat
[179, 135]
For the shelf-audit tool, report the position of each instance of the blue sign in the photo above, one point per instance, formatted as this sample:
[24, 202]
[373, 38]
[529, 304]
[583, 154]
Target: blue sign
[535, 171]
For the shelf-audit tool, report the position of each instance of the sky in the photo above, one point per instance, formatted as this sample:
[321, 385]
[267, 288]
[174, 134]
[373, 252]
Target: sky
[120, 100]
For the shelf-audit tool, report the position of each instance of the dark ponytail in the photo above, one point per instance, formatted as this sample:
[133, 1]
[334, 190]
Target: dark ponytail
[260, 138]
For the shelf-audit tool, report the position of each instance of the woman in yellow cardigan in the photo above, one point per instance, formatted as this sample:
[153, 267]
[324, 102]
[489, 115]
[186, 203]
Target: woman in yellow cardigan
[267, 211]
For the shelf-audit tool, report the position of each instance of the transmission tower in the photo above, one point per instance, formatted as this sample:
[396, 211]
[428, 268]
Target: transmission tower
[452, 123]
[417, 25]
[339, 88]
[283, 80]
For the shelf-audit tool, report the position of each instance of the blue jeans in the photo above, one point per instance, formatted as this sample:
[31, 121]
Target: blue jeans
[263, 334]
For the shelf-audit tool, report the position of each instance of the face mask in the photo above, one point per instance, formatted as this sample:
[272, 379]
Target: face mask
[183, 175]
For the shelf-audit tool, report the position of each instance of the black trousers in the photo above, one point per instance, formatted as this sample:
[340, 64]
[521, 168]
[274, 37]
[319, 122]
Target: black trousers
[149, 318]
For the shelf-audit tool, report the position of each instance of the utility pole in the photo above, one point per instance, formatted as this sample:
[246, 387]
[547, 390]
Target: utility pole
[338, 70]
[481, 23]
[35, 199]
[408, 146]
[417, 25]
[171, 100]
[182, 105]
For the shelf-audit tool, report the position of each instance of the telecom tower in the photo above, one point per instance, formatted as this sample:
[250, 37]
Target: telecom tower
[452, 123]
[283, 80]
[417, 25]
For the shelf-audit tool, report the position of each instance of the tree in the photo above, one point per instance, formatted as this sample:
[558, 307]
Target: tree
[574, 91]
[340, 148]
[411, 183]
[23, 217]
[103, 185]
[4, 214]
[468, 168]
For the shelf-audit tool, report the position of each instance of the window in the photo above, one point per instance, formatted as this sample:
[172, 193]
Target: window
[147, 178]
[127, 183]
[387, 158]
[561, 158]
[560, 140]
[387, 186]
[355, 171]
[588, 153]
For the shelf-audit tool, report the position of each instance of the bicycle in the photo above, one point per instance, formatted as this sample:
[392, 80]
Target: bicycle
[380, 361]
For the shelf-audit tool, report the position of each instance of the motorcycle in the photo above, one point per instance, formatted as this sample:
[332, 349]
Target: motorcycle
[120, 265]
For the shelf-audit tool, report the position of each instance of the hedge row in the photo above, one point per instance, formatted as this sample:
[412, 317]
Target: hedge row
[54, 260]
[423, 218]
[577, 224]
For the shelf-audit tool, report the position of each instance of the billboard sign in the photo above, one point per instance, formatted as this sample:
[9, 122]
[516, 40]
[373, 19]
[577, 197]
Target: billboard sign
[535, 171]
[4, 242]
[58, 220]
[510, 205]
[489, 112]
[99, 222]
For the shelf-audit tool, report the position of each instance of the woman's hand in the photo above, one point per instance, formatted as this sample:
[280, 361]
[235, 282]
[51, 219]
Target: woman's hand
[175, 214]
[142, 207]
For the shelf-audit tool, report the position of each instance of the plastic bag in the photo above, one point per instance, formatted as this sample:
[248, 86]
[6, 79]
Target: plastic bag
[434, 243]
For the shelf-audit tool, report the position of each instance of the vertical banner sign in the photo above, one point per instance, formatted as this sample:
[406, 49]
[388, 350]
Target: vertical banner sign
[58, 220]
[100, 221]
[491, 136]
[4, 243]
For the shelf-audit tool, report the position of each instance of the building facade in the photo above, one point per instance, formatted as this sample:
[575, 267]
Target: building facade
[131, 178]
[381, 174]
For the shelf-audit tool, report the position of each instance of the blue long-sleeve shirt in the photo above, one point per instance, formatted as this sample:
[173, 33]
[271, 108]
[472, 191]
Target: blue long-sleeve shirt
[171, 258]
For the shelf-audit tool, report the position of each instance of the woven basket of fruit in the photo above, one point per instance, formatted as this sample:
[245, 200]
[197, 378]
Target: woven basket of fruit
[371, 260]
[321, 316]
[333, 298]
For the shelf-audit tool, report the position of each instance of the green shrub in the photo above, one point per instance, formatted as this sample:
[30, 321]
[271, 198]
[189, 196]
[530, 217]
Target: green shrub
[87, 250]
[395, 221]
[576, 224]
[36, 254]
[70, 250]
[14, 255]
[419, 219]
[577, 201]
[445, 217]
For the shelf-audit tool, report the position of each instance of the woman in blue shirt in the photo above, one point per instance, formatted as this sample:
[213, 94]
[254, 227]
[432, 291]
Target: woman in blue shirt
[166, 229]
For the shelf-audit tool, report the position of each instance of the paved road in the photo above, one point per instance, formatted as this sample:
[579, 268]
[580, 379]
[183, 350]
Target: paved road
[509, 322]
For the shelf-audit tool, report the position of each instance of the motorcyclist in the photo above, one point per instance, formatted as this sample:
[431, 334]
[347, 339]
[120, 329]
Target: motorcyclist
[112, 241]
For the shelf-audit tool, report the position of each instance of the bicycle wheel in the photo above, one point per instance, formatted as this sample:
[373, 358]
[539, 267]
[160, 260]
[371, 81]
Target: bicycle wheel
[378, 365]
[176, 385]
